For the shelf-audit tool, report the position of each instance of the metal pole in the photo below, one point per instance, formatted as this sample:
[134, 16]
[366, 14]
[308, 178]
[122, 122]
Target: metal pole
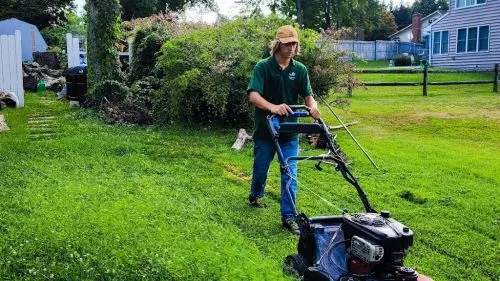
[495, 79]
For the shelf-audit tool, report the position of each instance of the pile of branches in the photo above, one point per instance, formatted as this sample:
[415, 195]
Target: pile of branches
[33, 73]
[125, 113]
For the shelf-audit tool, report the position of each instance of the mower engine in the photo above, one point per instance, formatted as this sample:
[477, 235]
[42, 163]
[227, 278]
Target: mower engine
[357, 247]
[377, 246]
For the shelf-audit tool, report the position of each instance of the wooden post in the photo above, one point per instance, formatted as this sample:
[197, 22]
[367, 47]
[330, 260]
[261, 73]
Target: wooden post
[349, 85]
[425, 79]
[495, 79]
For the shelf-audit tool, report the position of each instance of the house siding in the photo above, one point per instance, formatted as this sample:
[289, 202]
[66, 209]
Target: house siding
[487, 14]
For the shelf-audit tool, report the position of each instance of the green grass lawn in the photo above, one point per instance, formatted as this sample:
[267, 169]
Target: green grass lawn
[419, 77]
[371, 64]
[102, 202]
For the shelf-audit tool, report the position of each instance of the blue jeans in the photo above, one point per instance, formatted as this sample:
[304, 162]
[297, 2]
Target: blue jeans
[264, 151]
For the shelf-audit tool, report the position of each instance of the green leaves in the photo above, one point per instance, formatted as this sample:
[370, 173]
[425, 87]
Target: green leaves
[132, 9]
[206, 73]
[39, 13]
[103, 32]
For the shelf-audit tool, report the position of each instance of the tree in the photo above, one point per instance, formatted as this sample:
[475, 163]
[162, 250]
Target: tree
[41, 13]
[144, 8]
[324, 14]
[402, 15]
[137, 9]
[103, 31]
[384, 26]
[55, 36]
[427, 7]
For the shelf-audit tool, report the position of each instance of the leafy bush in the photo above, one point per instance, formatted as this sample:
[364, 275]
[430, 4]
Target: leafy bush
[108, 91]
[327, 69]
[142, 92]
[149, 35]
[120, 104]
[147, 44]
[205, 73]
[402, 60]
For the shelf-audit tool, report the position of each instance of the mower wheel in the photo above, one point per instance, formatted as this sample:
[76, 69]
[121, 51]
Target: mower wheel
[294, 265]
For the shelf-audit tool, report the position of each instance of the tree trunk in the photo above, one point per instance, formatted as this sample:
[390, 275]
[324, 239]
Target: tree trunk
[103, 62]
[299, 12]
[328, 15]
[93, 65]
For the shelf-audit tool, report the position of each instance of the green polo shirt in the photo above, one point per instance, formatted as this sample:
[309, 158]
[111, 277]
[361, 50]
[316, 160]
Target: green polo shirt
[277, 86]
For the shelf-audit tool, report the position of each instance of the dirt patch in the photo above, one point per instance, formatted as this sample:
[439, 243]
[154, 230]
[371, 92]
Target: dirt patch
[442, 115]
[237, 173]
[3, 124]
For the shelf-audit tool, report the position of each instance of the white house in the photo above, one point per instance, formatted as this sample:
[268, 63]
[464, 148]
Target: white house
[406, 34]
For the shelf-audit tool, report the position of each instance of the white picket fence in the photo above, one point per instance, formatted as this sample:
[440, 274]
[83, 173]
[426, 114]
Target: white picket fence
[11, 66]
[77, 55]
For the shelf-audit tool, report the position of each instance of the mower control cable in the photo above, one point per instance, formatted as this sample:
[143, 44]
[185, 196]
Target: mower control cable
[348, 131]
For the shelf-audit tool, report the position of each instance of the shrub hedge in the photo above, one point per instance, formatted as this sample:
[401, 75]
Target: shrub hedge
[402, 60]
[147, 43]
[205, 73]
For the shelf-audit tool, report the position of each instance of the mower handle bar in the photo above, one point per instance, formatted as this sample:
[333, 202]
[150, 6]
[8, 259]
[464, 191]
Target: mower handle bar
[296, 113]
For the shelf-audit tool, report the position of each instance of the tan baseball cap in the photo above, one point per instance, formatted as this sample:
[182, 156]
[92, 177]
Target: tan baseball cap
[287, 34]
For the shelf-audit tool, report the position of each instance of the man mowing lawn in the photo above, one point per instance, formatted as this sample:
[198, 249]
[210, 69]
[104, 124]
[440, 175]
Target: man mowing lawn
[276, 83]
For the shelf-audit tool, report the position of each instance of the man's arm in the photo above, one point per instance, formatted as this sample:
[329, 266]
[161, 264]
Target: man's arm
[313, 105]
[280, 109]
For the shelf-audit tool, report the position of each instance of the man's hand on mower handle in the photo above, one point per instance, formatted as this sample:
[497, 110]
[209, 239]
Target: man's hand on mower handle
[281, 109]
[314, 112]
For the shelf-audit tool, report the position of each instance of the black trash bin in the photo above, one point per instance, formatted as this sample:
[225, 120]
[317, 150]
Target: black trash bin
[76, 83]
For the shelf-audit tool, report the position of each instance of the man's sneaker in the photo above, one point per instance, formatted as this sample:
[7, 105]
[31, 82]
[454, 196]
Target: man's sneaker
[253, 201]
[292, 226]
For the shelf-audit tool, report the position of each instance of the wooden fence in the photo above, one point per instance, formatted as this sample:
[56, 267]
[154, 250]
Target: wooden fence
[425, 81]
[11, 67]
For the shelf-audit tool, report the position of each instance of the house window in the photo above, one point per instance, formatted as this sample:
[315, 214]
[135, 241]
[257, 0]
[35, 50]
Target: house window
[484, 34]
[473, 39]
[444, 42]
[468, 3]
[440, 42]
[437, 43]
[461, 40]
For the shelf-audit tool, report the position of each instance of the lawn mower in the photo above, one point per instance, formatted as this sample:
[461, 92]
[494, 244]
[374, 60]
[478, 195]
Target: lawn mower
[368, 246]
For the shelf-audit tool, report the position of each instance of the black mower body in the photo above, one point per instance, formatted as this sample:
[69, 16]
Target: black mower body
[351, 247]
